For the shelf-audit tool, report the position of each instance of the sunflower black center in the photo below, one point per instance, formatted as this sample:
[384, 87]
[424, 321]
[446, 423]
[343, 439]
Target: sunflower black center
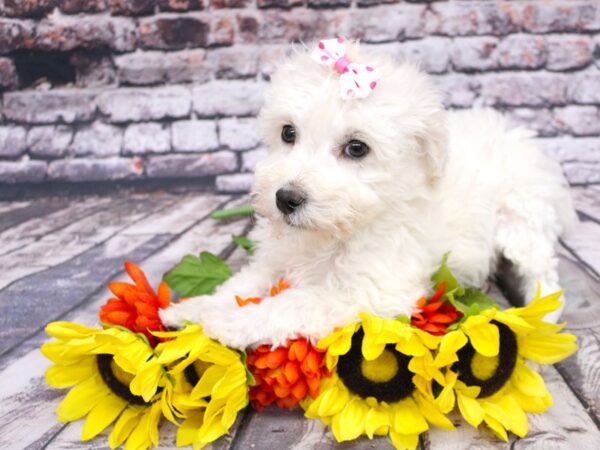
[387, 378]
[115, 381]
[490, 374]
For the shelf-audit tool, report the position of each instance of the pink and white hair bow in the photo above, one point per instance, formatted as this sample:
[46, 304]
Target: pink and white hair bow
[356, 80]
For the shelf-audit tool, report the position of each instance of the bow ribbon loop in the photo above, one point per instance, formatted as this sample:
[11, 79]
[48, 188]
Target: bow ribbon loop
[356, 80]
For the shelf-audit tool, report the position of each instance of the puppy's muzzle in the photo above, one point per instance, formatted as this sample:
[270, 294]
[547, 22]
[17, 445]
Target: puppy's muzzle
[289, 200]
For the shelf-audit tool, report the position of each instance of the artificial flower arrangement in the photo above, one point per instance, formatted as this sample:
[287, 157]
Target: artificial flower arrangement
[392, 377]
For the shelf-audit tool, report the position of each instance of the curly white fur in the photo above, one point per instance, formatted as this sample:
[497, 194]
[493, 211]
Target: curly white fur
[372, 231]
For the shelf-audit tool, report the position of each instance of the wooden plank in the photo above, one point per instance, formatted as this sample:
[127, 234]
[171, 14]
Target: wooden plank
[29, 364]
[12, 217]
[582, 312]
[584, 241]
[289, 429]
[587, 200]
[73, 239]
[30, 302]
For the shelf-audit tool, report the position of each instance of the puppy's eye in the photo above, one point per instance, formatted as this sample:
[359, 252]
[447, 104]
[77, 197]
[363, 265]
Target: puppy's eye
[356, 149]
[288, 134]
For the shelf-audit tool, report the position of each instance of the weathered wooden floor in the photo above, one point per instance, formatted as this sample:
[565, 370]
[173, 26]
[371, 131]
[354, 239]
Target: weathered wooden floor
[57, 254]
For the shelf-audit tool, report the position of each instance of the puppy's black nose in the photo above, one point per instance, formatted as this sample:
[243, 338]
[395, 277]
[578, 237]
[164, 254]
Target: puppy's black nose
[288, 200]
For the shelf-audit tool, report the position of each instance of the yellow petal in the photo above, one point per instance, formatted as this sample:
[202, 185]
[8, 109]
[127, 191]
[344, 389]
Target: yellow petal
[376, 420]
[145, 434]
[528, 381]
[407, 419]
[207, 382]
[125, 423]
[350, 423]
[101, 416]
[484, 336]
[433, 414]
[338, 342]
[519, 424]
[515, 323]
[547, 349]
[66, 376]
[81, 399]
[404, 441]
[68, 330]
[186, 433]
[470, 409]
[332, 401]
[449, 345]
[496, 427]
[147, 380]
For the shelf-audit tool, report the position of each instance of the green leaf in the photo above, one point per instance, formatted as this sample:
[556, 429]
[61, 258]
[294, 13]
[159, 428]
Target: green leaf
[250, 380]
[403, 318]
[477, 297]
[444, 274]
[245, 243]
[197, 276]
[233, 213]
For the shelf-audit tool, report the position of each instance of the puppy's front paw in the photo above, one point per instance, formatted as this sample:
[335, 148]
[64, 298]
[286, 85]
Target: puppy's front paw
[178, 314]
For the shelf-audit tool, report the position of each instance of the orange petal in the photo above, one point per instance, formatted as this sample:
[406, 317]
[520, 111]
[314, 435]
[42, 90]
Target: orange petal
[298, 350]
[292, 372]
[280, 391]
[277, 357]
[139, 277]
[116, 318]
[300, 390]
[164, 295]
[310, 365]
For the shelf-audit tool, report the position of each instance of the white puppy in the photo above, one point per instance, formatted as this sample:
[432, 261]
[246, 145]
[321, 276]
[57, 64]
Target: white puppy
[359, 199]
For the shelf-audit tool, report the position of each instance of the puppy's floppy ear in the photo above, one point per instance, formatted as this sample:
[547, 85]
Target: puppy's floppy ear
[434, 145]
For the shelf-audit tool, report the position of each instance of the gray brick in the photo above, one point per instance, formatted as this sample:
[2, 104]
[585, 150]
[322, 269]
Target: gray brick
[252, 157]
[15, 34]
[49, 141]
[83, 169]
[239, 134]
[12, 141]
[93, 70]
[145, 138]
[57, 105]
[25, 171]
[152, 67]
[98, 140]
[299, 25]
[523, 89]
[469, 18]
[540, 120]
[173, 32]
[238, 182]
[582, 172]
[186, 166]
[194, 136]
[8, 74]
[143, 104]
[568, 52]
[228, 98]
[578, 120]
[584, 87]
[458, 90]
[432, 54]
[384, 24]
[235, 62]
[521, 51]
[560, 16]
[65, 33]
[568, 148]
[474, 53]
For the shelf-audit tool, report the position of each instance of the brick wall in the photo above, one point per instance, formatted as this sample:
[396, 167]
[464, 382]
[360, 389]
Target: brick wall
[148, 89]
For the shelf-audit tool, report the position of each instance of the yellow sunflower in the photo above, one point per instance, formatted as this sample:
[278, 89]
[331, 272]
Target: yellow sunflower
[373, 391]
[209, 385]
[102, 367]
[487, 373]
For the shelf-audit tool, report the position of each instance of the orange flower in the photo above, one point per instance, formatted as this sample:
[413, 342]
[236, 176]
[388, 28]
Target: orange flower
[435, 315]
[281, 286]
[136, 305]
[286, 375]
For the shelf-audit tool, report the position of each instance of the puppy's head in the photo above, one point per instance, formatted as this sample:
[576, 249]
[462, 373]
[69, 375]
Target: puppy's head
[335, 165]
